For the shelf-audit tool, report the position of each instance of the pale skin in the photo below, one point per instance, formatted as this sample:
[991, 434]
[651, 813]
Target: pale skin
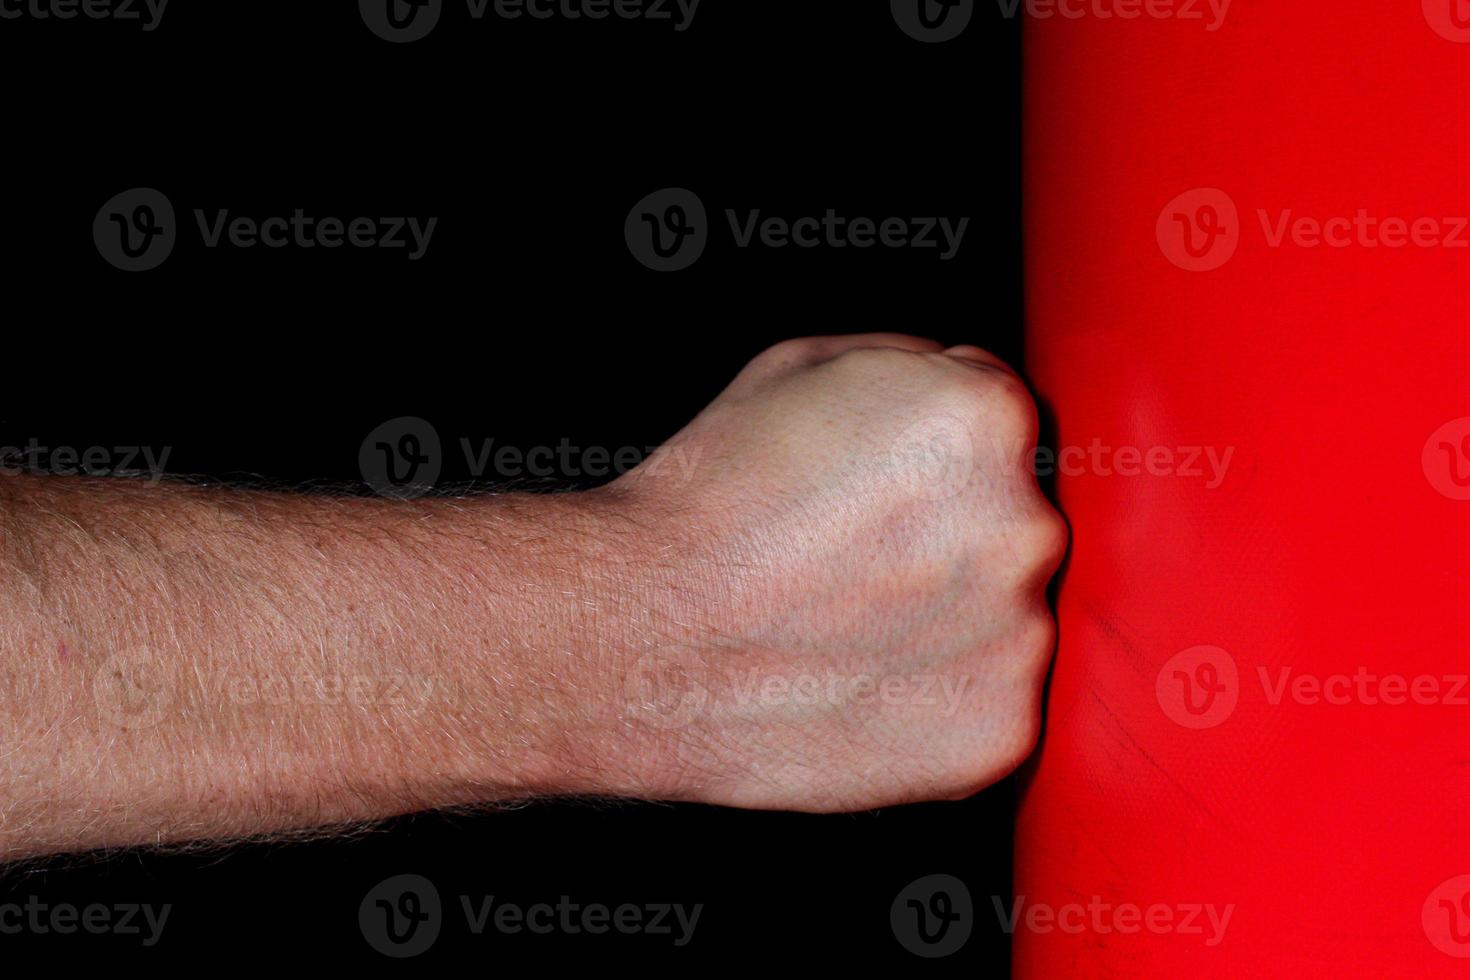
[837, 604]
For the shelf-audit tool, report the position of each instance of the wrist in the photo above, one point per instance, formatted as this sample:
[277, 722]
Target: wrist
[669, 630]
[575, 595]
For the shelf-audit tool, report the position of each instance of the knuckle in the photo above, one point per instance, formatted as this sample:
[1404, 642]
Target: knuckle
[977, 357]
[1010, 407]
[1046, 535]
[965, 396]
[1038, 545]
[997, 403]
[787, 353]
[880, 362]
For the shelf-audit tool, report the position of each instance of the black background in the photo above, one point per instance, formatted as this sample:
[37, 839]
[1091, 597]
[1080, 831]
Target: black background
[529, 322]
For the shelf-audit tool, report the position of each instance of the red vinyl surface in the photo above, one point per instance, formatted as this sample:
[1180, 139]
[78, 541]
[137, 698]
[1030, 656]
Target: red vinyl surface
[1248, 291]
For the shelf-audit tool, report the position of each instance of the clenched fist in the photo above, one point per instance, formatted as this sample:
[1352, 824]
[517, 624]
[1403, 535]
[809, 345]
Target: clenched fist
[864, 554]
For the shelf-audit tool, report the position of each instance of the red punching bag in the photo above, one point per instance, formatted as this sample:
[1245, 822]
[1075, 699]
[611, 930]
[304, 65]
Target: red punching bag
[1248, 281]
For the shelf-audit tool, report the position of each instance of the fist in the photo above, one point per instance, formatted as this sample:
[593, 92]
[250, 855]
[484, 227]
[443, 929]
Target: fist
[860, 556]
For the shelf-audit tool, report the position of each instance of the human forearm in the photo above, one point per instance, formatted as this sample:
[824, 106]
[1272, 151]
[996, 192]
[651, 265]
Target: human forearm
[186, 663]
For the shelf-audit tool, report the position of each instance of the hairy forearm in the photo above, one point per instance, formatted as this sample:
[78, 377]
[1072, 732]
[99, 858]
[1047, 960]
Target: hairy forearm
[183, 663]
